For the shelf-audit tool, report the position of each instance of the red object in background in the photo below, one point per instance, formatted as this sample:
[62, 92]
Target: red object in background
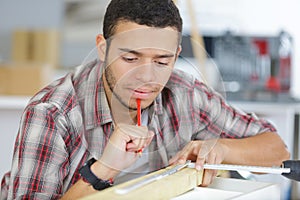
[254, 77]
[285, 72]
[285, 60]
[264, 68]
[262, 46]
[273, 84]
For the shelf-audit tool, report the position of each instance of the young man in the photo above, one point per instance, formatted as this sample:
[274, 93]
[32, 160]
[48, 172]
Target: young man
[90, 115]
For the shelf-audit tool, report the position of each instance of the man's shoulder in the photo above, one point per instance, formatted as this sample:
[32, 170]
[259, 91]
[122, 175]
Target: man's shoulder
[183, 82]
[181, 79]
[85, 69]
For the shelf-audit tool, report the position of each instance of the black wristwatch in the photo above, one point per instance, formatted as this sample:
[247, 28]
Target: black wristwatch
[89, 177]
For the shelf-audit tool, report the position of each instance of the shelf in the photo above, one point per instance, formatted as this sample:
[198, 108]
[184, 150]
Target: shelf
[13, 102]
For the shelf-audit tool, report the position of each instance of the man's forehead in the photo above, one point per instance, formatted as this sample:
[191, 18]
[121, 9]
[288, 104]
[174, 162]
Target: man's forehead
[142, 38]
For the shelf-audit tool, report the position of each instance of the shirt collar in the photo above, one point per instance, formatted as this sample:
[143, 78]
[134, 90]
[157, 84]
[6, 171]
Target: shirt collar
[97, 111]
[158, 107]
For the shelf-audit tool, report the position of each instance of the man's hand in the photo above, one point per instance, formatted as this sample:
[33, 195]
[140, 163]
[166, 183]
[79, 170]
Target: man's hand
[210, 151]
[124, 145]
[120, 152]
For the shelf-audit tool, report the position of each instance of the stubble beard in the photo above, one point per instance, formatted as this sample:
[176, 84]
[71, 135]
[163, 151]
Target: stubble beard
[111, 81]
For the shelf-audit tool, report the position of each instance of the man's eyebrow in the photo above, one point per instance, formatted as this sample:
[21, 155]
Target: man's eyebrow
[130, 51]
[165, 56]
[139, 53]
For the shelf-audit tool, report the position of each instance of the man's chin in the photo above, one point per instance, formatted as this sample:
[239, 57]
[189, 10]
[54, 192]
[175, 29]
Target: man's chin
[130, 101]
[144, 104]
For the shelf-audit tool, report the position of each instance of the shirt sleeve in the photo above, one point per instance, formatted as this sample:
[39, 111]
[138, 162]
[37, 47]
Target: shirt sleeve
[40, 160]
[220, 120]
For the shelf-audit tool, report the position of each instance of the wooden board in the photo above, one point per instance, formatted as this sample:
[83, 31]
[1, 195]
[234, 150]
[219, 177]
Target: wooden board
[165, 188]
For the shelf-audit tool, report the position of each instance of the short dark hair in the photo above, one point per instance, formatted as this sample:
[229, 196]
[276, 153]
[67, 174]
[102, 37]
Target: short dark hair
[153, 13]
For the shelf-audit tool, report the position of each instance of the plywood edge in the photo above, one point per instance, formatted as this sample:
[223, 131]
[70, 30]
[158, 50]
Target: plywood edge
[165, 188]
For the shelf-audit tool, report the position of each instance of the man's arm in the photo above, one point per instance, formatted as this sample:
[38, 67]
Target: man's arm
[39, 162]
[120, 153]
[265, 149]
[82, 188]
[244, 138]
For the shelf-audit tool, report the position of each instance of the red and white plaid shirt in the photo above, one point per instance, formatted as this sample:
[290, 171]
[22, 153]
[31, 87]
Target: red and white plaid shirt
[70, 121]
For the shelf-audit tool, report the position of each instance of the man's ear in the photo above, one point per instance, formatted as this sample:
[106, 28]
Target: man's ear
[101, 46]
[178, 51]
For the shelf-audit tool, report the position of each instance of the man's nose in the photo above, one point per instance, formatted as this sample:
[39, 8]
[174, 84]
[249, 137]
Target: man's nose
[146, 73]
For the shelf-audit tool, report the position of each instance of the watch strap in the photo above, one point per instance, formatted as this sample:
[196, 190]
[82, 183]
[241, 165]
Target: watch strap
[90, 177]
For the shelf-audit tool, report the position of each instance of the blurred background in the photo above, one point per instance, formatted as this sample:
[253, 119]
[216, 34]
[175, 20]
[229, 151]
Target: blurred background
[254, 43]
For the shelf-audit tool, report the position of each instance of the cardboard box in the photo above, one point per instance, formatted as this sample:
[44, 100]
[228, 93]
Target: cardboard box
[40, 46]
[24, 78]
[46, 47]
[21, 46]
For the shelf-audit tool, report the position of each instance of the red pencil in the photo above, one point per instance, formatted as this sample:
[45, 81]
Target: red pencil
[139, 113]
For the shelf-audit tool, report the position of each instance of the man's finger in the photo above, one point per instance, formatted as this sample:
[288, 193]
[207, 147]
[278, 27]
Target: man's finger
[182, 156]
[199, 163]
[207, 177]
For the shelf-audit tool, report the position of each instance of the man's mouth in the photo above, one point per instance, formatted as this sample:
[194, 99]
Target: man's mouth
[142, 93]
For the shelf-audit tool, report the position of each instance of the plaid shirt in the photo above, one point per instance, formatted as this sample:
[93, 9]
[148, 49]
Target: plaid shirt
[70, 121]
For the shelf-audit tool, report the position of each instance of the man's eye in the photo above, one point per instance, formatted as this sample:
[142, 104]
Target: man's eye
[129, 59]
[162, 63]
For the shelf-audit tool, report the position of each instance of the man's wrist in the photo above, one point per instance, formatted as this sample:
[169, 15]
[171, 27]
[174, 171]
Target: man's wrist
[88, 176]
[228, 150]
[103, 171]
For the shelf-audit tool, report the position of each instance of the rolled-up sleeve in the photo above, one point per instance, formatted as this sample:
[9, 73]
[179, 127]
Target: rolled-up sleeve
[223, 120]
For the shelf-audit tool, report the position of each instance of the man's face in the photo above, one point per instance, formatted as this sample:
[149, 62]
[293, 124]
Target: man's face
[139, 62]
